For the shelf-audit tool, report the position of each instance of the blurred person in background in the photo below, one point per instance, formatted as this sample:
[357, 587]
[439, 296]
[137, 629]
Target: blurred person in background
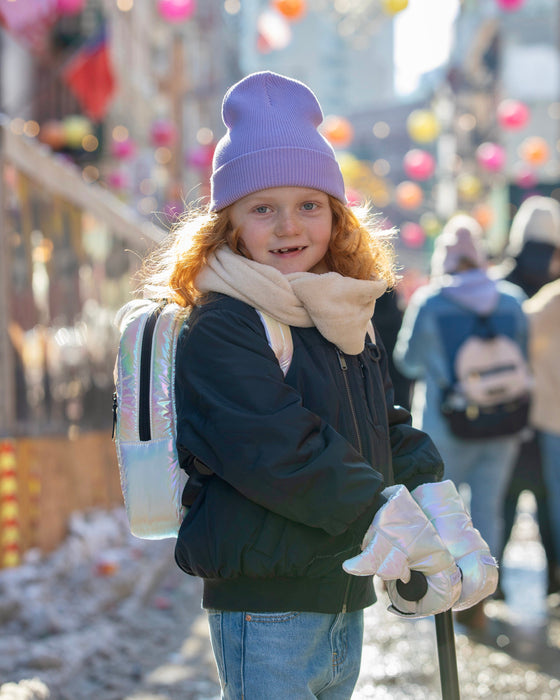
[543, 311]
[439, 316]
[388, 318]
[532, 261]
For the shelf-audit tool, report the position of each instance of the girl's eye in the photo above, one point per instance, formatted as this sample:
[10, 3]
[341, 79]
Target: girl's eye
[263, 209]
[309, 206]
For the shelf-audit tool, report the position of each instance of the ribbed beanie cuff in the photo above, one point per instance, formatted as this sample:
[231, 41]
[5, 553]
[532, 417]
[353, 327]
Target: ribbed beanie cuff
[272, 141]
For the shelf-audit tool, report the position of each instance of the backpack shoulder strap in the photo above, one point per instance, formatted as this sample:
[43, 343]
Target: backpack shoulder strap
[279, 338]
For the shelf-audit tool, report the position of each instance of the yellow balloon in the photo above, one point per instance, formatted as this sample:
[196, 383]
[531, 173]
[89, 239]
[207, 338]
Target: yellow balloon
[75, 128]
[431, 224]
[350, 166]
[392, 7]
[422, 125]
[468, 187]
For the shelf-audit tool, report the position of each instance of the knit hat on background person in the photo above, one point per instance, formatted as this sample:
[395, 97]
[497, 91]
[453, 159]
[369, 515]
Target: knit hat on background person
[272, 141]
[537, 219]
[461, 240]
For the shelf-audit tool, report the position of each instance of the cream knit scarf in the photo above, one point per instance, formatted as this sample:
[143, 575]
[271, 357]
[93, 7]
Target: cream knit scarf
[340, 307]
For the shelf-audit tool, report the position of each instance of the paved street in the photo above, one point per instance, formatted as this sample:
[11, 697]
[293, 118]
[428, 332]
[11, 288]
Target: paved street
[126, 624]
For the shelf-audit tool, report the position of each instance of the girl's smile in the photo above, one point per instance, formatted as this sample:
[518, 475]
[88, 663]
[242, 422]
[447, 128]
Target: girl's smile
[288, 228]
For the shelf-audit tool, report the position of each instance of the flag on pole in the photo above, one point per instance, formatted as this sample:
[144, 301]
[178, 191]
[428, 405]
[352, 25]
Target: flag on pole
[89, 74]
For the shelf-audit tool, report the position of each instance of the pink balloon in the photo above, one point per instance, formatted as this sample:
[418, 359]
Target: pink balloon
[118, 180]
[510, 5]
[172, 210]
[123, 149]
[176, 10]
[419, 164]
[491, 156]
[70, 7]
[413, 235]
[513, 114]
[526, 178]
[163, 133]
[354, 197]
[201, 156]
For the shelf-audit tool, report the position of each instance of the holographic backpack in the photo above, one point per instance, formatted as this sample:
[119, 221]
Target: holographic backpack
[144, 415]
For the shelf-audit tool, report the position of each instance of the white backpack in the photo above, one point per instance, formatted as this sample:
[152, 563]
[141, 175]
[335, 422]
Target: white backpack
[144, 416]
[492, 385]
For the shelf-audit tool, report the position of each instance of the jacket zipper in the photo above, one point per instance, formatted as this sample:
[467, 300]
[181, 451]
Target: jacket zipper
[344, 367]
[345, 601]
[144, 423]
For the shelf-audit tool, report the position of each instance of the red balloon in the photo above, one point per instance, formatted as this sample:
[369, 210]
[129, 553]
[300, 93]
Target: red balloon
[513, 114]
[419, 164]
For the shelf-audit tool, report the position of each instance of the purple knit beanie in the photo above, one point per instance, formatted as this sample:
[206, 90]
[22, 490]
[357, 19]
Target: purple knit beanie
[272, 141]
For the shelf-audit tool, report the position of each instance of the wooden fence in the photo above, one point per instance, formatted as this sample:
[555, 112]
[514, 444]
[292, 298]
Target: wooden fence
[43, 480]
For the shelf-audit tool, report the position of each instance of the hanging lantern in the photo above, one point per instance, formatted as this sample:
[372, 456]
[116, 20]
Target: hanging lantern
[534, 150]
[163, 133]
[408, 195]
[338, 131]
[176, 10]
[69, 7]
[510, 5]
[468, 187]
[491, 156]
[393, 7]
[53, 134]
[419, 164]
[422, 125]
[512, 114]
[413, 235]
[291, 9]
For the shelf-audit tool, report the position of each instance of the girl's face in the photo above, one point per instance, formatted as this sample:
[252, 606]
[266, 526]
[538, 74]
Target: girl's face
[288, 228]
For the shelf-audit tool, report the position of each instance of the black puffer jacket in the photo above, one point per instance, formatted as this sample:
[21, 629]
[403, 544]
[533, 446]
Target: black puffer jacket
[297, 464]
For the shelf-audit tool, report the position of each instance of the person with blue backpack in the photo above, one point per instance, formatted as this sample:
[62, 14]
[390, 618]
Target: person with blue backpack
[304, 484]
[463, 317]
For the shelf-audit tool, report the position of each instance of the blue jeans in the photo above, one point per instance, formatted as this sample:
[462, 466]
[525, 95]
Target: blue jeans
[486, 467]
[550, 455]
[276, 656]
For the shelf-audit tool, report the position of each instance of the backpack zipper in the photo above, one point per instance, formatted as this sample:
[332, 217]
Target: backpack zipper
[344, 367]
[144, 422]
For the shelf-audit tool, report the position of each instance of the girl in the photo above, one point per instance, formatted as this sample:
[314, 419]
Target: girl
[287, 473]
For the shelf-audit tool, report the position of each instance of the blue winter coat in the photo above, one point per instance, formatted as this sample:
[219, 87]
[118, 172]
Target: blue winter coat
[438, 318]
[295, 465]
